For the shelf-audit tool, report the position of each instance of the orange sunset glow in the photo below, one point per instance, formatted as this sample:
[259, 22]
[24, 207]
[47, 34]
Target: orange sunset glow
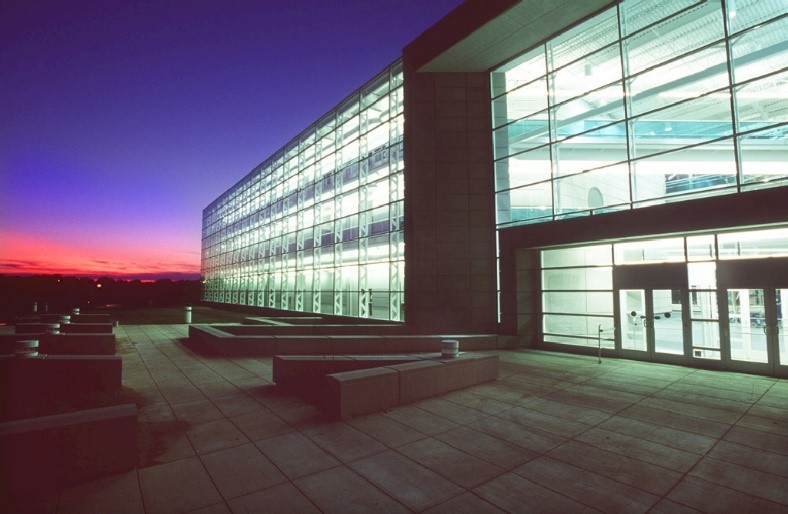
[21, 254]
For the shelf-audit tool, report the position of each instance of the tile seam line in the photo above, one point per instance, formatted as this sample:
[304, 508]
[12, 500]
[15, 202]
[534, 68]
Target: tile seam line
[716, 443]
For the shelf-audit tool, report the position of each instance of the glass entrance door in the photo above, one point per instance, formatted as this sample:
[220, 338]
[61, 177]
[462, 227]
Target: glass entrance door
[756, 328]
[652, 322]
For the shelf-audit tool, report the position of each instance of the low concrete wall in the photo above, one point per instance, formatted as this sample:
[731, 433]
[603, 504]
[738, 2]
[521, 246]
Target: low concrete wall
[265, 343]
[63, 344]
[90, 318]
[56, 378]
[43, 453]
[349, 385]
[86, 328]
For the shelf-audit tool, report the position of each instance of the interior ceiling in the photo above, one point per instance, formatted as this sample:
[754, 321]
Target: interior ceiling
[518, 29]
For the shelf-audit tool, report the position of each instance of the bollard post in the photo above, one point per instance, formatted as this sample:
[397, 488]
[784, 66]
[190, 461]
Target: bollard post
[35, 306]
[187, 314]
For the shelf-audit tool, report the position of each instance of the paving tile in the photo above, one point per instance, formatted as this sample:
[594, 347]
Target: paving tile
[774, 426]
[476, 401]
[341, 490]
[386, 430]
[649, 477]
[767, 441]
[177, 487]
[641, 449]
[487, 448]
[196, 411]
[118, 493]
[217, 434]
[241, 470]
[467, 503]
[694, 410]
[757, 483]
[281, 498]
[237, 404]
[420, 420]
[182, 394]
[586, 487]
[261, 424]
[458, 413]
[716, 393]
[584, 399]
[708, 497]
[343, 441]
[567, 411]
[412, 484]
[531, 439]
[665, 506]
[461, 468]
[541, 421]
[513, 493]
[700, 406]
[216, 508]
[753, 458]
[668, 436]
[296, 455]
[773, 413]
[500, 393]
[218, 388]
[674, 420]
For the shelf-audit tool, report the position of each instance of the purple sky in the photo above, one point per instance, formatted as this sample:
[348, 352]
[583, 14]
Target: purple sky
[122, 120]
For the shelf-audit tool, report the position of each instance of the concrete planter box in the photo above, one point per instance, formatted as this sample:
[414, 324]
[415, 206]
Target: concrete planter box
[44, 453]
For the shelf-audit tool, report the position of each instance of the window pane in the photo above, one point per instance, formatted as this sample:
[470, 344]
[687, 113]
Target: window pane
[691, 76]
[693, 28]
[580, 256]
[578, 302]
[700, 168]
[642, 13]
[660, 250]
[596, 278]
[764, 157]
[760, 51]
[522, 169]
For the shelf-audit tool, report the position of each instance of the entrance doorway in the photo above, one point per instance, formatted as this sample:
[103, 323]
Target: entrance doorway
[651, 314]
[757, 306]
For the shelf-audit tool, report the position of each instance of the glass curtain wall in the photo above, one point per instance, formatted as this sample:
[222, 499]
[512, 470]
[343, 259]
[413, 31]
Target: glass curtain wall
[578, 287]
[646, 103]
[318, 227]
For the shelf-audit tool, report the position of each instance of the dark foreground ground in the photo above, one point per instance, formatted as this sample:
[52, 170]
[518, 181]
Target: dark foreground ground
[555, 433]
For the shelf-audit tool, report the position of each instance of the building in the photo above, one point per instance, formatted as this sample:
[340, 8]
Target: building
[589, 175]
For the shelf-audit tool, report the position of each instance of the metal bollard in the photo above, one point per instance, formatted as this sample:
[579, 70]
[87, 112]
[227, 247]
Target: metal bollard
[187, 314]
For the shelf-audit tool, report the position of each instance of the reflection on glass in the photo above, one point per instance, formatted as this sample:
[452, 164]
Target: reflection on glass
[747, 316]
[663, 117]
[667, 321]
[633, 319]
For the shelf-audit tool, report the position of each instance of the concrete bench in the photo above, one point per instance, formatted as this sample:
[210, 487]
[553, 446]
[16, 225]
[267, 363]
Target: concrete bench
[55, 378]
[36, 328]
[349, 385]
[63, 344]
[44, 453]
[90, 318]
[86, 328]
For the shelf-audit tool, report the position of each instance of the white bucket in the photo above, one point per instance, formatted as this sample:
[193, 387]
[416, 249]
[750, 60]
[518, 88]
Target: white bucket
[450, 348]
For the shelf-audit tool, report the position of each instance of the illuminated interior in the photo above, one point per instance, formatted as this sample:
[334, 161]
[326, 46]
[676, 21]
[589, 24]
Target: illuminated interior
[318, 226]
[702, 306]
[645, 103]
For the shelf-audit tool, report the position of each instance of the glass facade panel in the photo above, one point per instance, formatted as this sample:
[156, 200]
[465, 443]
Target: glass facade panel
[651, 96]
[318, 226]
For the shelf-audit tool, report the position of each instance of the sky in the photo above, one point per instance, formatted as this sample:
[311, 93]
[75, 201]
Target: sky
[121, 120]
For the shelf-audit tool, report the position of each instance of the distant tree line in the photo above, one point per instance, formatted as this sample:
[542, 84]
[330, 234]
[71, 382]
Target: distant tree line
[56, 293]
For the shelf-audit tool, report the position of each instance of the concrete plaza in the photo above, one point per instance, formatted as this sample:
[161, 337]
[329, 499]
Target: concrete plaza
[555, 433]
